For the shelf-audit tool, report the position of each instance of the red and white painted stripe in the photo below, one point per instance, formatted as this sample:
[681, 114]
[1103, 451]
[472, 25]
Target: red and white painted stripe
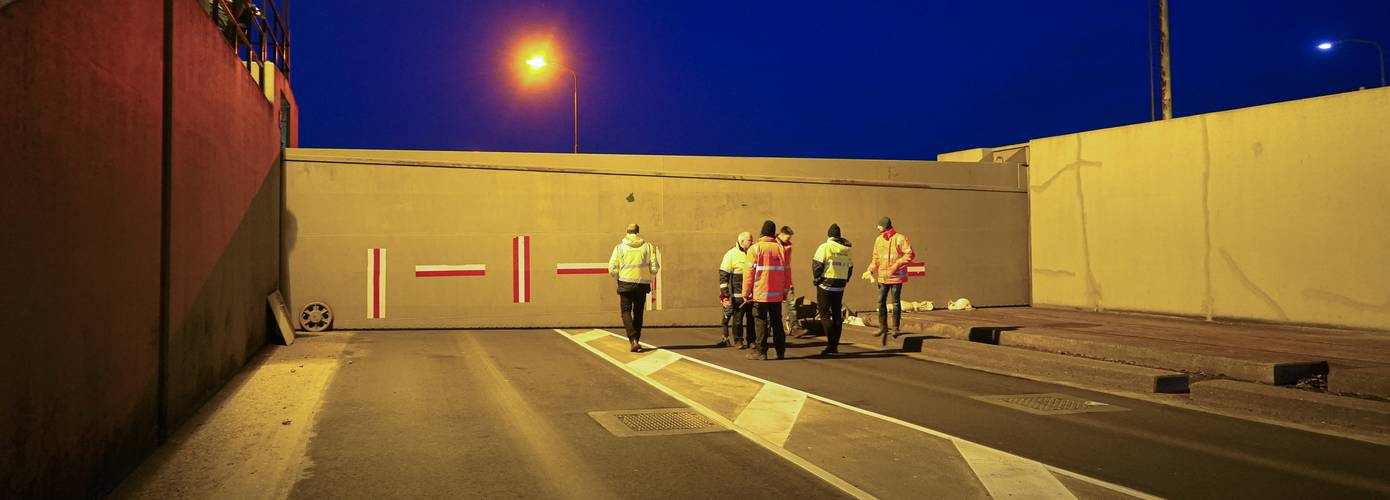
[376, 283]
[581, 268]
[439, 271]
[916, 269]
[521, 269]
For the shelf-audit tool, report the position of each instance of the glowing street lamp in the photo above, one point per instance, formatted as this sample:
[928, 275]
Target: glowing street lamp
[1380, 52]
[537, 62]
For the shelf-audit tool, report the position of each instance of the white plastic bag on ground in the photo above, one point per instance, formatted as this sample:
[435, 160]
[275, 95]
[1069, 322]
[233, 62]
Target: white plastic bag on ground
[961, 304]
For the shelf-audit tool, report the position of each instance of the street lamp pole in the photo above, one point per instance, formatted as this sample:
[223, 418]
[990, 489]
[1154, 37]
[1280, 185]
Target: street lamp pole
[575, 76]
[537, 62]
[1379, 52]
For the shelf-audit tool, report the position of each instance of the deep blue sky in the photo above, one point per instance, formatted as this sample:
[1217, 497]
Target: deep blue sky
[866, 79]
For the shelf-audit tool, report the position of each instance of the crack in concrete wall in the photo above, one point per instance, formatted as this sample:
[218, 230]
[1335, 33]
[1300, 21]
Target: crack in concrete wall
[1345, 301]
[1249, 285]
[1093, 289]
[1209, 301]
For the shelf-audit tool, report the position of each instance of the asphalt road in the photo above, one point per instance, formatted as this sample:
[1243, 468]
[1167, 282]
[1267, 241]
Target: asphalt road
[1154, 448]
[504, 414]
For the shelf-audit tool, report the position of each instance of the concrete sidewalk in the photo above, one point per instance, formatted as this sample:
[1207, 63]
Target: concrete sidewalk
[1347, 372]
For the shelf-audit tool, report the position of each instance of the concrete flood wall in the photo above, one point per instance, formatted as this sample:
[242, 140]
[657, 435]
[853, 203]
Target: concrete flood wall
[83, 101]
[1274, 213]
[967, 222]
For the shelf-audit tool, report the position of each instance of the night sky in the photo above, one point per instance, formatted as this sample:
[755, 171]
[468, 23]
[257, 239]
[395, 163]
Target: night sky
[843, 79]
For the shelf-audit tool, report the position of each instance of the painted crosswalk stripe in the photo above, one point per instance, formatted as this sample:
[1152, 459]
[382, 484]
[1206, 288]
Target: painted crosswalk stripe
[589, 335]
[1011, 476]
[772, 413]
[654, 362]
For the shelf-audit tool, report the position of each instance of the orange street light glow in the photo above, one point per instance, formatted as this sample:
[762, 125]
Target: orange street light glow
[536, 62]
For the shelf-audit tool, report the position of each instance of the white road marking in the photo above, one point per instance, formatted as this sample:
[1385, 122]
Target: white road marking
[653, 361]
[1051, 469]
[589, 335]
[1008, 476]
[809, 467]
[772, 413]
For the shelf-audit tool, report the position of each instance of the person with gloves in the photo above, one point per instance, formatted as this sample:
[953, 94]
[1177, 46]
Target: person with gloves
[831, 269]
[888, 268]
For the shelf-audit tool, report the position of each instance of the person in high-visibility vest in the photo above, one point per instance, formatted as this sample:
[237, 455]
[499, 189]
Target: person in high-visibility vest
[634, 262]
[831, 269]
[740, 317]
[888, 268]
[766, 284]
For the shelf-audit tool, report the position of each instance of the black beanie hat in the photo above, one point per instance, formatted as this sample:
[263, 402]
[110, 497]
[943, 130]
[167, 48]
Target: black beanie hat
[834, 231]
[886, 222]
[769, 228]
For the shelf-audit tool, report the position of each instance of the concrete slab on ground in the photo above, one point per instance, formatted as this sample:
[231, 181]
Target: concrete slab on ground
[1374, 381]
[1294, 405]
[1270, 354]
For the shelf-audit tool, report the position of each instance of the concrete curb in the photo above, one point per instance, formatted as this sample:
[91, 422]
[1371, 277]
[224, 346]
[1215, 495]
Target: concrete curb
[1271, 371]
[1364, 381]
[1265, 372]
[1294, 405]
[1033, 364]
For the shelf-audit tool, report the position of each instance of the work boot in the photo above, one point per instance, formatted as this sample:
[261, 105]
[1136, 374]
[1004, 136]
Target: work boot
[894, 327]
[882, 324]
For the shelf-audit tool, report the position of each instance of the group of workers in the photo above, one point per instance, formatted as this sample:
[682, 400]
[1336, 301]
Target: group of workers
[755, 278]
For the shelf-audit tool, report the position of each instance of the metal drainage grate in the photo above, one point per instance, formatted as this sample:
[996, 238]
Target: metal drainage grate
[655, 422]
[1049, 404]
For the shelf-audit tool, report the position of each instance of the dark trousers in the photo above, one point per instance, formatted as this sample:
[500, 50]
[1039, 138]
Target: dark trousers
[741, 320]
[832, 316]
[769, 315]
[891, 294]
[633, 304]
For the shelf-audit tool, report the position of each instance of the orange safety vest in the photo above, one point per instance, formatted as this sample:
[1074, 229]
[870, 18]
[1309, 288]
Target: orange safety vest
[767, 279]
[891, 255]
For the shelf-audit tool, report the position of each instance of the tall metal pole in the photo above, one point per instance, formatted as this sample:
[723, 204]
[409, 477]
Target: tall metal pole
[1166, 71]
[576, 109]
[1153, 108]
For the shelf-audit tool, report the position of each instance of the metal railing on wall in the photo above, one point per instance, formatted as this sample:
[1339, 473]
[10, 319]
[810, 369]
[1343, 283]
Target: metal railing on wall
[257, 30]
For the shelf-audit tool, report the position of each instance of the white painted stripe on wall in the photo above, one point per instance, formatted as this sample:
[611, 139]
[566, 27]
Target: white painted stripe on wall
[466, 267]
[582, 265]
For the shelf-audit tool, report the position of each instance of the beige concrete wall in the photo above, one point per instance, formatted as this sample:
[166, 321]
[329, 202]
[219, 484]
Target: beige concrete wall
[1275, 212]
[968, 222]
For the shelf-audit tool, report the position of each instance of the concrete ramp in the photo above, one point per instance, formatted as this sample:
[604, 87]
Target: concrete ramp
[418, 239]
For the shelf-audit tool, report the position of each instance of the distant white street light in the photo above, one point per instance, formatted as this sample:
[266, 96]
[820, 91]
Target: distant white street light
[1379, 52]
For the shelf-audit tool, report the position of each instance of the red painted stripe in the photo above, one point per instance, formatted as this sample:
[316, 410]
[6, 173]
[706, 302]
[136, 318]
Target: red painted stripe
[516, 293]
[376, 282]
[430, 274]
[586, 270]
[527, 242]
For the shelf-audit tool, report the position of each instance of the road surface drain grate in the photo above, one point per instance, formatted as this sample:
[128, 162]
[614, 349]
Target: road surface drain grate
[1049, 404]
[655, 422]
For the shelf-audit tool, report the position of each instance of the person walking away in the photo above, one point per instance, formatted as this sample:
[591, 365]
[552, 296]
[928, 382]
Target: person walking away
[766, 284]
[634, 262]
[888, 267]
[831, 268]
[731, 271]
